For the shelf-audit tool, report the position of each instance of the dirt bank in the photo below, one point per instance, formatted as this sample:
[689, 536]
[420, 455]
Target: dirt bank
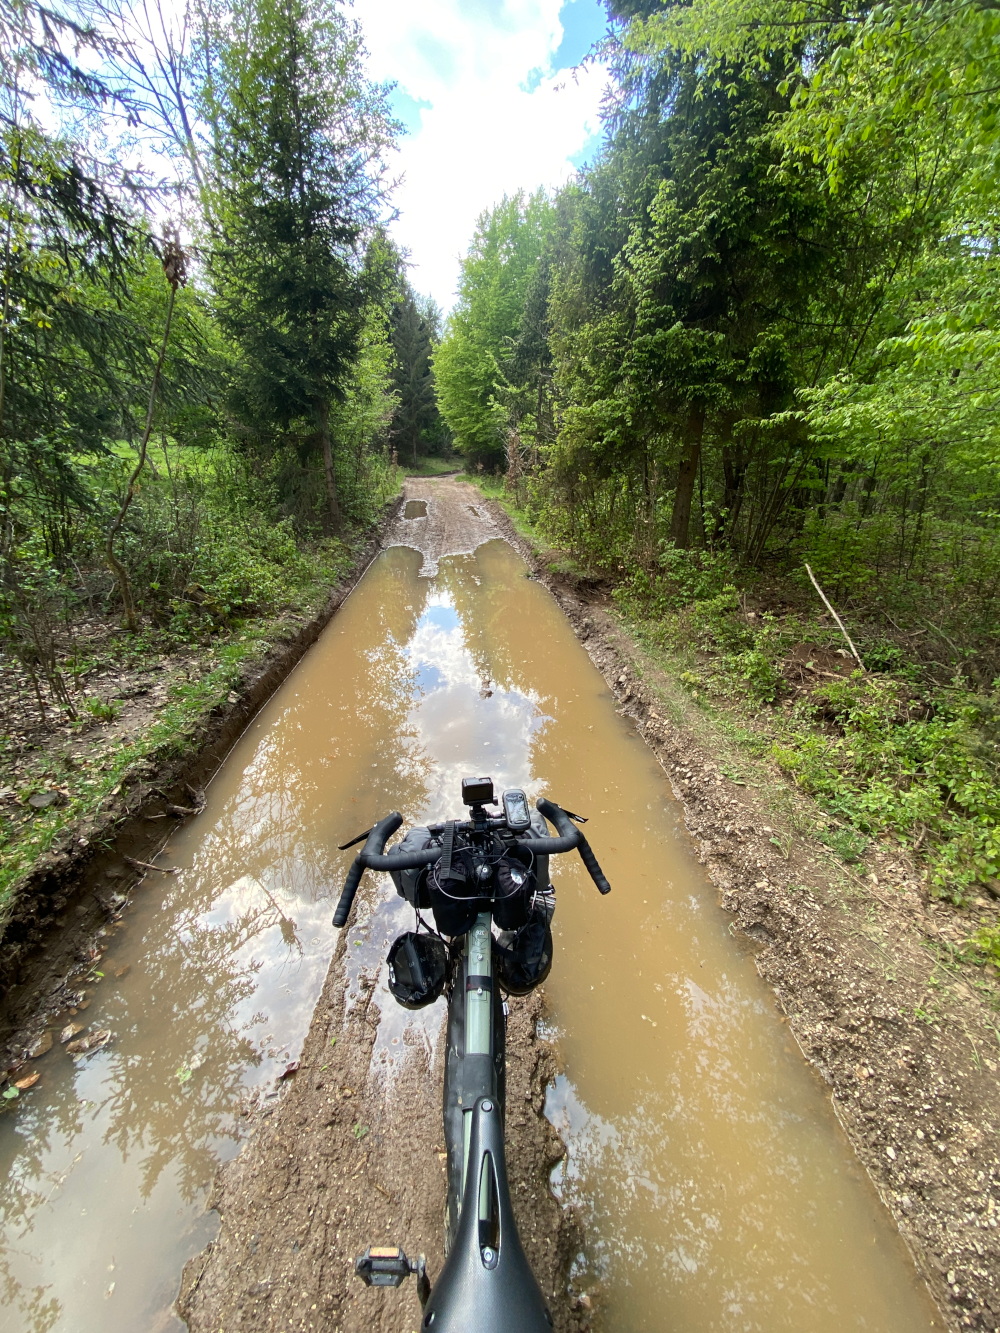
[859, 962]
[58, 914]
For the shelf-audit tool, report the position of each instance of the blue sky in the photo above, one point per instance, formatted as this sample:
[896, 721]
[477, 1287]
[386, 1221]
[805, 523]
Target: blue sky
[492, 103]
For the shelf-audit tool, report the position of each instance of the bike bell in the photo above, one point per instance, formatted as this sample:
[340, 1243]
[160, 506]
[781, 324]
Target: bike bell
[418, 969]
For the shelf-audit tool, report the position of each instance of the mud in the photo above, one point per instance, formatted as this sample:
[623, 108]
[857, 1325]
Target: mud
[909, 1051]
[79, 887]
[341, 1158]
[270, 1199]
[353, 1153]
[345, 1162]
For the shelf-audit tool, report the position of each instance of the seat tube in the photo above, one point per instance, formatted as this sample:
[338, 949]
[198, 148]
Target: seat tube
[478, 1012]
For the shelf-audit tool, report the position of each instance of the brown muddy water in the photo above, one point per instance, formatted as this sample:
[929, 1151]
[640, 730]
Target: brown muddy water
[716, 1187]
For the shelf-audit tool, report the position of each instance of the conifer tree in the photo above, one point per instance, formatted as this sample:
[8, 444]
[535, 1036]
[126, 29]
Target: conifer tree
[301, 133]
[416, 423]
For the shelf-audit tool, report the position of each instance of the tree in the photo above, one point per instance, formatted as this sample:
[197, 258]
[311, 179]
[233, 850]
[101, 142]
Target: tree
[468, 364]
[416, 424]
[299, 165]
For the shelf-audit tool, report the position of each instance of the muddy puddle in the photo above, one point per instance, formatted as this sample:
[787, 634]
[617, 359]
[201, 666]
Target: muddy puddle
[716, 1188]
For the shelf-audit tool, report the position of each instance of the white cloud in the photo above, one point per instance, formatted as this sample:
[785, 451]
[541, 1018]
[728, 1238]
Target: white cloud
[481, 133]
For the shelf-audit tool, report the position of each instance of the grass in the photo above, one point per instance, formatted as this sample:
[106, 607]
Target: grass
[94, 781]
[431, 466]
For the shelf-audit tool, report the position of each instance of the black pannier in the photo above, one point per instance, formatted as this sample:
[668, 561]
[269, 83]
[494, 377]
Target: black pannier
[418, 969]
[523, 958]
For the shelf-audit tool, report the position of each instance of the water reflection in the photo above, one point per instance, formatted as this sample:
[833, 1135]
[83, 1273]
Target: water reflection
[208, 987]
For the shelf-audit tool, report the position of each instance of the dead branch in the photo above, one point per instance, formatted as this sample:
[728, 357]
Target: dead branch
[826, 602]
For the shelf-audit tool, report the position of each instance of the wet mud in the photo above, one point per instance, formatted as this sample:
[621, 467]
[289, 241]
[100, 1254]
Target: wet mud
[705, 1177]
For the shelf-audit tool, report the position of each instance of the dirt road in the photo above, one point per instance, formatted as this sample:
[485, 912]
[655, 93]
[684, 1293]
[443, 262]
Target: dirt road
[346, 1158]
[342, 1159]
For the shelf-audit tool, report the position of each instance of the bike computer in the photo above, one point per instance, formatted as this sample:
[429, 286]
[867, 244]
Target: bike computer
[516, 810]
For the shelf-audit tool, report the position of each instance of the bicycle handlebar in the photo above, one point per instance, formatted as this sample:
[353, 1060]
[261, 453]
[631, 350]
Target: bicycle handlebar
[377, 838]
[371, 856]
[572, 837]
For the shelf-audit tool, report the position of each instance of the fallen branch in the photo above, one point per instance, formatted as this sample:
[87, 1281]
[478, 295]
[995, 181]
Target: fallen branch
[826, 602]
[147, 865]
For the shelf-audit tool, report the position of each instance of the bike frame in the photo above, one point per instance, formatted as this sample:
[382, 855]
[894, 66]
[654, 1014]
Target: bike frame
[486, 1284]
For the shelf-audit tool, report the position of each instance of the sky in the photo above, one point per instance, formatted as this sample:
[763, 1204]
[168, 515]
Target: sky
[492, 104]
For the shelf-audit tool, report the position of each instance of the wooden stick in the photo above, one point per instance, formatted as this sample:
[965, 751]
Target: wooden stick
[146, 865]
[826, 602]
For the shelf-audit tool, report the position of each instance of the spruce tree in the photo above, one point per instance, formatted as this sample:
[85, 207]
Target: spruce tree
[299, 158]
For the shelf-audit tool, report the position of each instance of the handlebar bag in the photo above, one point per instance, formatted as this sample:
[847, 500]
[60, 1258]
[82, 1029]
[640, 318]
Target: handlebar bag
[515, 884]
[457, 903]
[412, 884]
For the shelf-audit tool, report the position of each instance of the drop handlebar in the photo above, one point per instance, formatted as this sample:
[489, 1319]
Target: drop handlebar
[371, 856]
[374, 844]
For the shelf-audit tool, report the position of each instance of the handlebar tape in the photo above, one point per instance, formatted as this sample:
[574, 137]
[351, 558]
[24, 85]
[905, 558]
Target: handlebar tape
[555, 814]
[572, 837]
[374, 845]
[590, 861]
[349, 890]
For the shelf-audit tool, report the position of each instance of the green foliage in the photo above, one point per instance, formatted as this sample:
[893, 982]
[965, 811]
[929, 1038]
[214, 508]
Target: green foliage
[879, 768]
[682, 577]
[469, 363]
[987, 941]
[417, 426]
[764, 330]
[297, 160]
[100, 710]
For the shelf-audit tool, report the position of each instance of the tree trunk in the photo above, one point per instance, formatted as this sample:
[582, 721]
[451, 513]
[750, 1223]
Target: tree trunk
[175, 275]
[680, 519]
[333, 504]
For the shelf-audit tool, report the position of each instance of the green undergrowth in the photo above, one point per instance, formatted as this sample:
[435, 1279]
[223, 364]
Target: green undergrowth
[884, 753]
[86, 778]
[431, 466]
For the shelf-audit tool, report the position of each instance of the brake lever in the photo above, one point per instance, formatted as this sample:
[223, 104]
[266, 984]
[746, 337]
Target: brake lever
[577, 819]
[360, 838]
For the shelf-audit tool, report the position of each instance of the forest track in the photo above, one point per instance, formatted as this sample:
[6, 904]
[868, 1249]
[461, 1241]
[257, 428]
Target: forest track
[847, 957]
[338, 1159]
[345, 1158]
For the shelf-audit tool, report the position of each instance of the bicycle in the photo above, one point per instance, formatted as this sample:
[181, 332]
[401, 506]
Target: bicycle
[491, 868]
